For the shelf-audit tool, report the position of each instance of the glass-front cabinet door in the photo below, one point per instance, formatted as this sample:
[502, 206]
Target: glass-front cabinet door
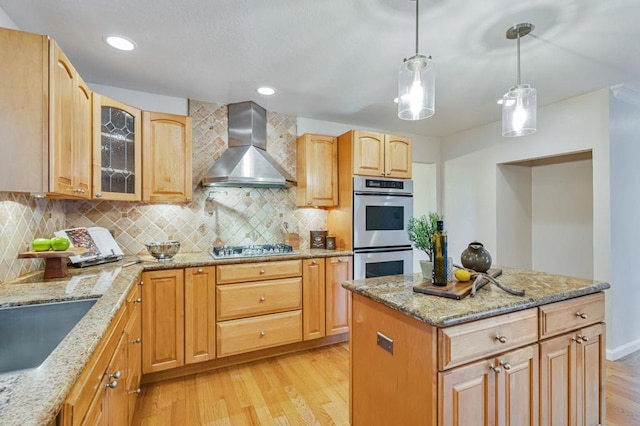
[117, 155]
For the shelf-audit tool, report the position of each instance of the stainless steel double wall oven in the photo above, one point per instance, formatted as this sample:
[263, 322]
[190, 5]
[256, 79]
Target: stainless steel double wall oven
[381, 211]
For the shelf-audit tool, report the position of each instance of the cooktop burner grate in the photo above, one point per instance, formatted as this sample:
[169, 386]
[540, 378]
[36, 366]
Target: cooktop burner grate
[251, 251]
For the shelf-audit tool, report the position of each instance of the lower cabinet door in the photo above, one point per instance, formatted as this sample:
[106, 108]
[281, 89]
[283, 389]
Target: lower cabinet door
[517, 385]
[558, 382]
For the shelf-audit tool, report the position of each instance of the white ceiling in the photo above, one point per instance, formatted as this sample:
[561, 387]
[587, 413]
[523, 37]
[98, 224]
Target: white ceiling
[337, 60]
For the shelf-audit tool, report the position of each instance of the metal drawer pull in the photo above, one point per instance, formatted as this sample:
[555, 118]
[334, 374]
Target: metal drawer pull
[263, 333]
[112, 385]
[138, 340]
[138, 300]
[314, 262]
[578, 340]
[494, 368]
[200, 270]
[262, 271]
[505, 365]
[581, 315]
[340, 260]
[501, 339]
[116, 375]
[583, 338]
[262, 298]
[136, 391]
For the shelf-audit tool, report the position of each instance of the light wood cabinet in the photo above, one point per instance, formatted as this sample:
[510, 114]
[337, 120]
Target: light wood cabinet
[377, 154]
[337, 301]
[199, 310]
[102, 395]
[258, 306]
[317, 169]
[162, 320]
[167, 145]
[572, 382]
[496, 370]
[117, 152]
[501, 390]
[133, 333]
[313, 294]
[46, 126]
[178, 314]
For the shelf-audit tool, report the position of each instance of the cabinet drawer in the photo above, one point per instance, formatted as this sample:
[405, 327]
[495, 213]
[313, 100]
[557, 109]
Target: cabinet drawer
[250, 299]
[249, 334]
[243, 272]
[467, 342]
[556, 318]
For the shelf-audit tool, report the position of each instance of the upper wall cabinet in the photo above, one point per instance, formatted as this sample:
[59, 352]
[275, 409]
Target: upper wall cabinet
[166, 150]
[117, 153]
[380, 155]
[46, 119]
[317, 170]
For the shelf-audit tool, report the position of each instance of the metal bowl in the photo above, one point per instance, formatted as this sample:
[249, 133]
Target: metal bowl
[163, 250]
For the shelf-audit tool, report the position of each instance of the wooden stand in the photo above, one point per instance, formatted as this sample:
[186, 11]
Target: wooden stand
[55, 261]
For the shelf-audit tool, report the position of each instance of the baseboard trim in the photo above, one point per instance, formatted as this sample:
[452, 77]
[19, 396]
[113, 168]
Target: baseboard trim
[622, 351]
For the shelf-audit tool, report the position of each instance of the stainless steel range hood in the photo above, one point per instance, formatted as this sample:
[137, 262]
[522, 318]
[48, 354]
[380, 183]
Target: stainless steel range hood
[246, 162]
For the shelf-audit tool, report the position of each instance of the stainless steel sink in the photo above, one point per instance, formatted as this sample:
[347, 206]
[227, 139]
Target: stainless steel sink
[28, 334]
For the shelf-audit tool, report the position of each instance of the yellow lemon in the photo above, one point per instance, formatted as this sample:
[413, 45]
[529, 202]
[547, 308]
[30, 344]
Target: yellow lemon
[462, 275]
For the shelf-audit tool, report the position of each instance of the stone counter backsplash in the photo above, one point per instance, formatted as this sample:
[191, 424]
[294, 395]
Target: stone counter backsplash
[236, 216]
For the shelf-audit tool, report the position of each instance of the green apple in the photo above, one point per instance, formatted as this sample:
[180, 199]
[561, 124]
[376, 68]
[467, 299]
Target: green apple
[41, 244]
[60, 243]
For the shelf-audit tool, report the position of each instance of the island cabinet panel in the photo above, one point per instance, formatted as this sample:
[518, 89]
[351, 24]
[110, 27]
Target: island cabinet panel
[572, 382]
[258, 271]
[560, 317]
[162, 320]
[395, 384]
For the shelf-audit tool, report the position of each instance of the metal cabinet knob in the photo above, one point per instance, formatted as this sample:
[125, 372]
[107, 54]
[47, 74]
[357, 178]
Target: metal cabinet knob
[578, 340]
[505, 365]
[314, 262]
[262, 298]
[340, 260]
[200, 270]
[263, 333]
[98, 194]
[141, 283]
[501, 339]
[116, 375]
[138, 300]
[112, 385]
[262, 271]
[583, 338]
[138, 340]
[309, 202]
[494, 368]
[581, 315]
[136, 391]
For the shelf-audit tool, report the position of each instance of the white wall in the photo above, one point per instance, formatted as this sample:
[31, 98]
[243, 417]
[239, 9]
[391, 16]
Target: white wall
[470, 172]
[562, 218]
[425, 185]
[7, 22]
[624, 334]
[144, 100]
[513, 215]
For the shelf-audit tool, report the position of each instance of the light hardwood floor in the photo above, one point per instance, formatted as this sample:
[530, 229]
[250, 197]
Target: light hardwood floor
[311, 388]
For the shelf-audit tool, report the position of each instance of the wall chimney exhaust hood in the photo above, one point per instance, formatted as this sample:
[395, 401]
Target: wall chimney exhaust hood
[246, 162]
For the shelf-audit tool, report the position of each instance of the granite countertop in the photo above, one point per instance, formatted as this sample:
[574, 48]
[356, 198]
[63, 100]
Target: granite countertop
[34, 397]
[540, 288]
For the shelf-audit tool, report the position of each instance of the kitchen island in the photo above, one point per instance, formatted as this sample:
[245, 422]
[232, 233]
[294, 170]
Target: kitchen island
[494, 358]
[36, 396]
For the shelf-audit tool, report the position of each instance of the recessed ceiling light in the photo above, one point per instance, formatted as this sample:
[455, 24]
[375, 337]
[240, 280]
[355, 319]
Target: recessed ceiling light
[119, 42]
[267, 91]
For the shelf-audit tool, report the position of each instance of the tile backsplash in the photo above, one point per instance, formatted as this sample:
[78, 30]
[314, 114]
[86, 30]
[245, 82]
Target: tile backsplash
[227, 215]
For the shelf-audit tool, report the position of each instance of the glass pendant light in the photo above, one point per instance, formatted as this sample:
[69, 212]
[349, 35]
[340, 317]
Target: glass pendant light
[416, 84]
[519, 103]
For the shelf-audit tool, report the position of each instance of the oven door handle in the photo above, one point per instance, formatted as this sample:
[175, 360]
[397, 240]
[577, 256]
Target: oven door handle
[383, 249]
[384, 194]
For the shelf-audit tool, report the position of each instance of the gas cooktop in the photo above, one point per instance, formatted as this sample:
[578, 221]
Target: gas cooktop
[225, 252]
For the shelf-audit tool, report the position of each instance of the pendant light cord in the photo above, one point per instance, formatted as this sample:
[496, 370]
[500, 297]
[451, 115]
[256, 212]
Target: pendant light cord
[518, 77]
[417, 14]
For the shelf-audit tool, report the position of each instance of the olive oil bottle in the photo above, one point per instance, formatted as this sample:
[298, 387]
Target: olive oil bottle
[439, 242]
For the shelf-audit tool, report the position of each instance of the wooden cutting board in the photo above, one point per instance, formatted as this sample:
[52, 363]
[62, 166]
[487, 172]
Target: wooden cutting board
[454, 289]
